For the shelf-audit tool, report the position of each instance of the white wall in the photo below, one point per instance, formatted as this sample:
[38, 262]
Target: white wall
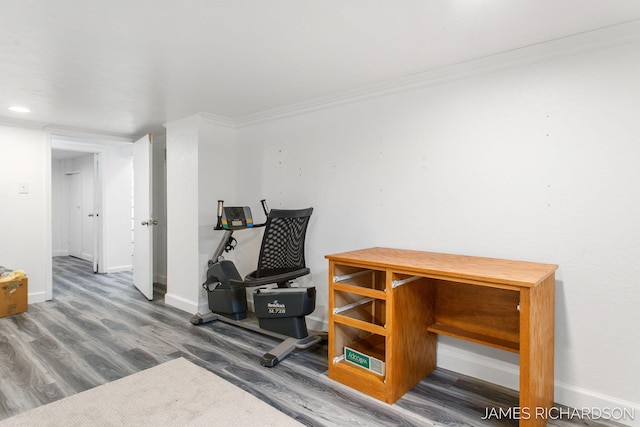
[183, 271]
[536, 163]
[23, 217]
[200, 171]
[216, 181]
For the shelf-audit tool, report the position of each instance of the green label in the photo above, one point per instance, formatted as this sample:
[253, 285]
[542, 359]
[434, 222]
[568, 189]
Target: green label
[357, 358]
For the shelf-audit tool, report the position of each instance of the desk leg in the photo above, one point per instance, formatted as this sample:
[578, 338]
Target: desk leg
[536, 351]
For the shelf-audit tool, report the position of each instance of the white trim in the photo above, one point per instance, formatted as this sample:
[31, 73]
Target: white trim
[507, 375]
[22, 123]
[576, 397]
[182, 304]
[316, 323]
[573, 45]
[216, 119]
[71, 134]
[36, 297]
[479, 366]
[119, 268]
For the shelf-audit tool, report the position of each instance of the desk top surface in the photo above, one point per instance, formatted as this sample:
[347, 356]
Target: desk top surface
[494, 270]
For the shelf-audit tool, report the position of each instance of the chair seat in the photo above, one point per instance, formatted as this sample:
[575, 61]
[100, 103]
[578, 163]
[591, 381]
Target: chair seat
[251, 280]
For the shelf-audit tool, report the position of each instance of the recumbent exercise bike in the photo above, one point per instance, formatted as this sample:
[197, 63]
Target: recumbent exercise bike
[281, 310]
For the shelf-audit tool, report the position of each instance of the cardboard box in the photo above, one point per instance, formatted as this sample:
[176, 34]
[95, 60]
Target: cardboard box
[13, 297]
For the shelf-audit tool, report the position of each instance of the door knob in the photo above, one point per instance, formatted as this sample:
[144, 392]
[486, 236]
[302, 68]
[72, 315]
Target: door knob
[150, 222]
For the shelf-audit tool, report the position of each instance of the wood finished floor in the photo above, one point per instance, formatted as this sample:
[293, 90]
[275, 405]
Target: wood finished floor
[99, 328]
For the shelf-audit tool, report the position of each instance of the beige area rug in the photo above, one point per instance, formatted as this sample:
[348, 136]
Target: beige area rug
[175, 393]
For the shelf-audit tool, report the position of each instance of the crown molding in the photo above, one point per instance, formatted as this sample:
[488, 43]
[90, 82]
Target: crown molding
[603, 38]
[216, 119]
[22, 123]
[69, 133]
[63, 131]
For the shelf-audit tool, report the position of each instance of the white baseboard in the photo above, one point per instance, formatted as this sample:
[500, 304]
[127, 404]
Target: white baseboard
[181, 303]
[621, 411]
[507, 374]
[119, 268]
[36, 297]
[479, 366]
[315, 323]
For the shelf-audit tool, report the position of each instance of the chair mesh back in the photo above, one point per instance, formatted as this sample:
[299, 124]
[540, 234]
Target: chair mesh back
[282, 247]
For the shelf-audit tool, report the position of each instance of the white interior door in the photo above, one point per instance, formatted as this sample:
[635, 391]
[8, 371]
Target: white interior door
[96, 214]
[142, 217]
[88, 240]
[75, 214]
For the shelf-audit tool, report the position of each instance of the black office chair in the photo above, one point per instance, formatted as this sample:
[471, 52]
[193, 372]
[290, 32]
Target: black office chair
[280, 310]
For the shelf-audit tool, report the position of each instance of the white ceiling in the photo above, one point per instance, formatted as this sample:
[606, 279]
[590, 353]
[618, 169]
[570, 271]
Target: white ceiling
[125, 67]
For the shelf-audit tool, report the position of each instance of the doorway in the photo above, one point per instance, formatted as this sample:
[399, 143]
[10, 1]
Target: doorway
[92, 157]
[113, 200]
[76, 205]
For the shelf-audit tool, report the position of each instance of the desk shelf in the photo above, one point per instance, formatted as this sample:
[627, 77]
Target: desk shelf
[481, 314]
[452, 331]
[392, 304]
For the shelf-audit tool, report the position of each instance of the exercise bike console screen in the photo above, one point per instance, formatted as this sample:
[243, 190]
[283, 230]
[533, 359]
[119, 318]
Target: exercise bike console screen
[236, 217]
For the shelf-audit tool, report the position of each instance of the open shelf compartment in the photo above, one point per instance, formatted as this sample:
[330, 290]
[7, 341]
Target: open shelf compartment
[483, 315]
[360, 277]
[360, 349]
[359, 307]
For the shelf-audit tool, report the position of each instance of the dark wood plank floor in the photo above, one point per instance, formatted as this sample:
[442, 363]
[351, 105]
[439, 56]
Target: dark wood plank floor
[99, 328]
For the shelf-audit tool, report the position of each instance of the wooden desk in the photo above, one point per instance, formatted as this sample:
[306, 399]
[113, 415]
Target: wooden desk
[390, 304]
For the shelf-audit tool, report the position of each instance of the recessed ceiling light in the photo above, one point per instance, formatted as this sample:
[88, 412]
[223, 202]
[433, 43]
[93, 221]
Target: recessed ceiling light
[18, 109]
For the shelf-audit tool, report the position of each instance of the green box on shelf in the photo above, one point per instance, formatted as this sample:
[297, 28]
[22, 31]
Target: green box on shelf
[364, 361]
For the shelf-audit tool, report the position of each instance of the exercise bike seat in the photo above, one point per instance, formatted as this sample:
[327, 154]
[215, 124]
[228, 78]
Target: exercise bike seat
[251, 280]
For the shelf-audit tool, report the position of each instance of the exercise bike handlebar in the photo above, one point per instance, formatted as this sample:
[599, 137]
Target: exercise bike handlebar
[219, 213]
[265, 208]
